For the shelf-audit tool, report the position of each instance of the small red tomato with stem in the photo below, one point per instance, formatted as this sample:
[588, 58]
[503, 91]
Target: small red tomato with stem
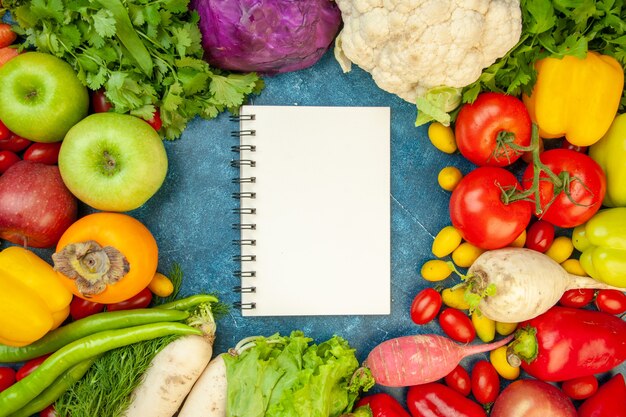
[459, 380]
[540, 236]
[141, 300]
[611, 301]
[7, 377]
[45, 153]
[581, 387]
[425, 306]
[30, 366]
[81, 308]
[577, 298]
[494, 130]
[485, 382]
[7, 160]
[457, 325]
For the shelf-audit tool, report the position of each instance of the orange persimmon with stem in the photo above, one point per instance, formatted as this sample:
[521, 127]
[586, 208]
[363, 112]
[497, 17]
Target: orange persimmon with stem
[106, 257]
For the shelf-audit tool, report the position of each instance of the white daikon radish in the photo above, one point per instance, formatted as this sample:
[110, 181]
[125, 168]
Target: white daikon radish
[209, 395]
[517, 284]
[173, 372]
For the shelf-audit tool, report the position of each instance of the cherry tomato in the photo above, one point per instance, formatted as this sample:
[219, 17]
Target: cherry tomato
[81, 308]
[5, 133]
[611, 301]
[46, 153]
[577, 298]
[581, 195]
[568, 145]
[478, 212]
[7, 377]
[489, 130]
[29, 367]
[49, 411]
[425, 306]
[14, 143]
[155, 121]
[540, 236]
[7, 160]
[459, 380]
[99, 102]
[581, 387]
[141, 300]
[485, 382]
[457, 325]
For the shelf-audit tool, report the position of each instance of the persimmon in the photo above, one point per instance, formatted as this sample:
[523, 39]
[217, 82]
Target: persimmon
[106, 257]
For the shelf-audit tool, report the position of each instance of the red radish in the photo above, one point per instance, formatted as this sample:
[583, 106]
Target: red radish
[419, 359]
[512, 285]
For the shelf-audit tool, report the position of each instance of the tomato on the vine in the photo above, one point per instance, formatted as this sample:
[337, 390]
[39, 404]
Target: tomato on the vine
[457, 325]
[459, 380]
[540, 236]
[485, 382]
[580, 192]
[611, 301]
[577, 298]
[425, 306]
[478, 210]
[7, 377]
[493, 130]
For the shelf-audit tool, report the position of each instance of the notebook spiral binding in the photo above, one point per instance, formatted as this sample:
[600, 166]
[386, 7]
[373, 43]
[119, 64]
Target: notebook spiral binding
[244, 159]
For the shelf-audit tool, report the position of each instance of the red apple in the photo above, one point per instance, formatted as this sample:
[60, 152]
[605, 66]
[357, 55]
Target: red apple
[35, 205]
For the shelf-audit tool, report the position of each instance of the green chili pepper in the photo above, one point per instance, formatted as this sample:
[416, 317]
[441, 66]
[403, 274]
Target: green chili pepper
[128, 36]
[602, 243]
[111, 320]
[189, 303]
[24, 391]
[54, 391]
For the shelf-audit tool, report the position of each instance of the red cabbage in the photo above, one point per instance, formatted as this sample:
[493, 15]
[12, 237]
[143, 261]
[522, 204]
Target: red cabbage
[266, 36]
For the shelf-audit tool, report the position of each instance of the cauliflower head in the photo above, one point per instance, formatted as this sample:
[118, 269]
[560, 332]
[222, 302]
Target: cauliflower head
[413, 46]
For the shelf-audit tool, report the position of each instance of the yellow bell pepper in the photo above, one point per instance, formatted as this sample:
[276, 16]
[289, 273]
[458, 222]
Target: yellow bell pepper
[576, 98]
[32, 299]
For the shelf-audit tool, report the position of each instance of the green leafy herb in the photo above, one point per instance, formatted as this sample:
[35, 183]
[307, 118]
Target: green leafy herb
[146, 54]
[555, 29]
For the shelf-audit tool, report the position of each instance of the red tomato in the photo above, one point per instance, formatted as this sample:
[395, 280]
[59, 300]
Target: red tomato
[46, 153]
[568, 145]
[425, 306]
[5, 133]
[141, 300]
[457, 325]
[581, 387]
[49, 411]
[485, 382]
[80, 308]
[478, 212]
[155, 122]
[540, 236]
[7, 159]
[7, 377]
[611, 301]
[99, 102]
[14, 143]
[435, 399]
[491, 130]
[581, 193]
[459, 380]
[577, 298]
[29, 367]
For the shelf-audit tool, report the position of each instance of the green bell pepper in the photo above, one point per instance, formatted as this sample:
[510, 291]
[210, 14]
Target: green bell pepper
[602, 243]
[610, 153]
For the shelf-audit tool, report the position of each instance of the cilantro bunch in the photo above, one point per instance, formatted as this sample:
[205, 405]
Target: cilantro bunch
[554, 29]
[145, 54]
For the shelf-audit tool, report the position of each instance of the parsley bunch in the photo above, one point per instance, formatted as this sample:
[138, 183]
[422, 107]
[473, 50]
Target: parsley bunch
[146, 54]
[554, 29]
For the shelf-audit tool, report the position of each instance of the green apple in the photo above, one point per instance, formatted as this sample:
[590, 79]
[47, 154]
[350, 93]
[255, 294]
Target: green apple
[41, 97]
[112, 161]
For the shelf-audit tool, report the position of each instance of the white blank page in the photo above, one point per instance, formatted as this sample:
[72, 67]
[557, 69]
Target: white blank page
[322, 199]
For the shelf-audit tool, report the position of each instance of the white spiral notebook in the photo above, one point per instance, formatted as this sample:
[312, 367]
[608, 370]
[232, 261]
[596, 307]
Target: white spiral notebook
[314, 208]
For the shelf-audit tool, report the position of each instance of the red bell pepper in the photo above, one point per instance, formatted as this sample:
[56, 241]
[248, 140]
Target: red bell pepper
[608, 401]
[435, 399]
[566, 343]
[383, 405]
